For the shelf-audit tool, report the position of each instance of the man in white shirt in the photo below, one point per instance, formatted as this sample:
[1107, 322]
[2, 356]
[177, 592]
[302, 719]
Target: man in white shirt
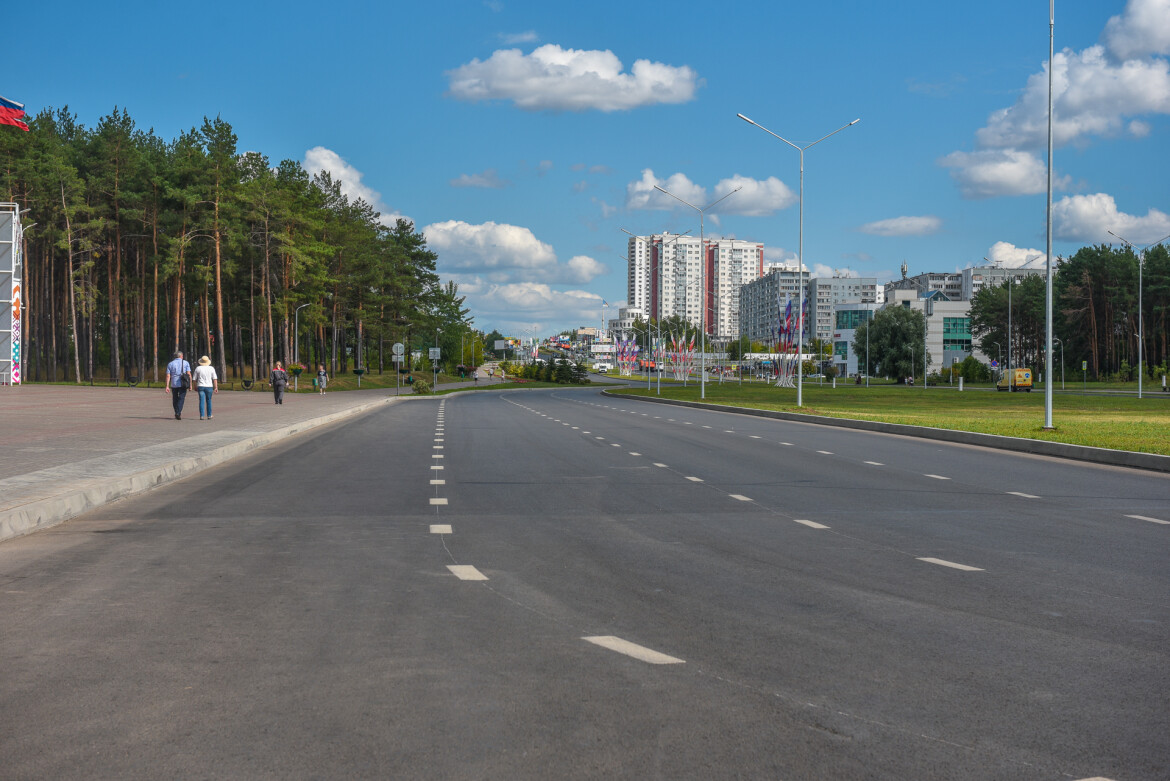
[177, 371]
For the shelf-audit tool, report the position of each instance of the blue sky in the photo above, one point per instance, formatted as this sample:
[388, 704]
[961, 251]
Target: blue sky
[522, 136]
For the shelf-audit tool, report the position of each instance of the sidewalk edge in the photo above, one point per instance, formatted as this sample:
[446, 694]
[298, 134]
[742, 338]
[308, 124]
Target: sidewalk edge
[46, 513]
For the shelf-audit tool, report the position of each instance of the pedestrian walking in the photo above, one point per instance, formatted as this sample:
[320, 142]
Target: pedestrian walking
[178, 381]
[206, 383]
[278, 380]
[322, 379]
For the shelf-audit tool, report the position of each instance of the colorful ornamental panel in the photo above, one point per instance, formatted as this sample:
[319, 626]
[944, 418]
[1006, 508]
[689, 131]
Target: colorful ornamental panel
[10, 294]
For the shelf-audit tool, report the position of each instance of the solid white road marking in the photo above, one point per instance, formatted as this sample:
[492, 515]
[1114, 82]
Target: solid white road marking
[945, 563]
[740, 497]
[438, 501]
[695, 479]
[875, 463]
[440, 528]
[937, 477]
[466, 572]
[812, 524]
[1147, 518]
[641, 653]
[1026, 496]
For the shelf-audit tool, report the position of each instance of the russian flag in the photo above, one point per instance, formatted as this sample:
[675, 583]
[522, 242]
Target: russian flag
[11, 113]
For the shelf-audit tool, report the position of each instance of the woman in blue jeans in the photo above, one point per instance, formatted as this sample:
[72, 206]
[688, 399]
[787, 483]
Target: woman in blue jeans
[206, 383]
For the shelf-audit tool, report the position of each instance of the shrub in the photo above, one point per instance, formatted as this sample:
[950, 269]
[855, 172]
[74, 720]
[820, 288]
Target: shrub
[421, 386]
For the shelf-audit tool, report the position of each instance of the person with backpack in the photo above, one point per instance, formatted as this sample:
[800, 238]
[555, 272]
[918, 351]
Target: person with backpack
[279, 380]
[178, 381]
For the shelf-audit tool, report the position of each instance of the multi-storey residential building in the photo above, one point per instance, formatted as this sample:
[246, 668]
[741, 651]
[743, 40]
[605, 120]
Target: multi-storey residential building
[762, 301]
[979, 277]
[825, 293]
[950, 285]
[672, 275]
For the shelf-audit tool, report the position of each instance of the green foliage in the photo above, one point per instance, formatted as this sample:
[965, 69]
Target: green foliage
[895, 342]
[421, 386]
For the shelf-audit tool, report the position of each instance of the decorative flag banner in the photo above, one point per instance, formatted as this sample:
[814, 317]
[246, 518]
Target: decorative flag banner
[11, 113]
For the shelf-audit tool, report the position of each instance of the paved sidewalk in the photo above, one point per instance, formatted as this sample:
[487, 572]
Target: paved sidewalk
[69, 449]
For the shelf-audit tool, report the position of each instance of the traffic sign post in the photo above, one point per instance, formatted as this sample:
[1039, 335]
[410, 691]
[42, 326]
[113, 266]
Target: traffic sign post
[398, 349]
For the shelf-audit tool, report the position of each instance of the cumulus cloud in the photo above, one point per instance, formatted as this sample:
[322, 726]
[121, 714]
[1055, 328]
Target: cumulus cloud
[756, 198]
[1100, 91]
[1143, 29]
[821, 271]
[991, 173]
[320, 159]
[529, 305]
[903, 226]
[1007, 255]
[1090, 218]
[503, 254]
[556, 79]
[489, 179]
[511, 39]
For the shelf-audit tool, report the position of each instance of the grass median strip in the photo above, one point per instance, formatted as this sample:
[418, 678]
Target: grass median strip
[1114, 422]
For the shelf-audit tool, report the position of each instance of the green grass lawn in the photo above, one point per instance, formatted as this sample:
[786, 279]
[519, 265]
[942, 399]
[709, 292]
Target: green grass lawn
[1119, 423]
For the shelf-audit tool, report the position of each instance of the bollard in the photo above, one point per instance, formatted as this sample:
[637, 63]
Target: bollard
[960, 385]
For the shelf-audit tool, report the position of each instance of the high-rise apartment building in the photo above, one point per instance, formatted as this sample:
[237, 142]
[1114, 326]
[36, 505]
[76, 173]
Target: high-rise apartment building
[825, 293]
[672, 275]
[762, 301]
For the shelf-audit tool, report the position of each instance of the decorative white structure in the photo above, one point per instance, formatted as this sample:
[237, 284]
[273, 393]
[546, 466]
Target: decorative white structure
[11, 294]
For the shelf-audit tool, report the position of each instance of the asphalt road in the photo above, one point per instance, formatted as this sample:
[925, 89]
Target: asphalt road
[553, 584]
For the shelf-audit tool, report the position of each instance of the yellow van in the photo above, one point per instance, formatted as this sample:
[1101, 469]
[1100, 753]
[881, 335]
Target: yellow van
[1023, 381]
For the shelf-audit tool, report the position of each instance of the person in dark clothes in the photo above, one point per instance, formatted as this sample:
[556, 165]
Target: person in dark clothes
[279, 381]
[178, 381]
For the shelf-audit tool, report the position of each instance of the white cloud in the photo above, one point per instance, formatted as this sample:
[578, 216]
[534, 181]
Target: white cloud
[488, 179]
[320, 159]
[1143, 29]
[821, 271]
[525, 305]
[756, 198]
[556, 79]
[1007, 255]
[992, 173]
[502, 254]
[903, 226]
[1092, 95]
[511, 39]
[1090, 217]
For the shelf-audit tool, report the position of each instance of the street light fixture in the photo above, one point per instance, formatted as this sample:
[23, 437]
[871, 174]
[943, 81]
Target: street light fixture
[1057, 339]
[702, 276]
[800, 250]
[1141, 254]
[297, 344]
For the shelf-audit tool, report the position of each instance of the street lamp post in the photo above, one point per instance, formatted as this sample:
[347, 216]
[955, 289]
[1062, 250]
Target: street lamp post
[800, 249]
[1057, 339]
[703, 287]
[1141, 254]
[998, 358]
[435, 361]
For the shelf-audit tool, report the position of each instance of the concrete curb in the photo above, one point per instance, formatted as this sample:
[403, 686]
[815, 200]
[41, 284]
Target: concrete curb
[79, 499]
[1096, 455]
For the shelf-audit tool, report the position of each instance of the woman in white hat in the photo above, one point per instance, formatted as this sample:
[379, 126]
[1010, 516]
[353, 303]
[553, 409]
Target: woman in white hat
[206, 383]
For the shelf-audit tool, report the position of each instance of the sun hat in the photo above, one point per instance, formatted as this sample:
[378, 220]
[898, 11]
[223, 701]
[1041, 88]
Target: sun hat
[204, 361]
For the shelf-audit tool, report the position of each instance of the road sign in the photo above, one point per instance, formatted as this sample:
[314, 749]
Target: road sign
[1084, 366]
[433, 353]
[396, 358]
[994, 364]
[398, 348]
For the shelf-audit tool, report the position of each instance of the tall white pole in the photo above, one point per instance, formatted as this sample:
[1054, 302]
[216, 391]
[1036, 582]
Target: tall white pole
[800, 248]
[1048, 245]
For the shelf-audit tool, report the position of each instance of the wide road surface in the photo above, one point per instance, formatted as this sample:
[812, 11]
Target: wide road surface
[554, 584]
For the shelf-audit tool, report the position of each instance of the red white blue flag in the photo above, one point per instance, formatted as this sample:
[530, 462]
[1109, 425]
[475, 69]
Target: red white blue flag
[11, 113]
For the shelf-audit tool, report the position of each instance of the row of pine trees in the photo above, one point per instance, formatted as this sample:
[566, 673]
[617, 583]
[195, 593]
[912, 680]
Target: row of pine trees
[137, 246]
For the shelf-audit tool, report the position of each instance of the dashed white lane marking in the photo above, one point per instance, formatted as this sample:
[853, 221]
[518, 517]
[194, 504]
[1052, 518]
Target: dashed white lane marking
[438, 500]
[951, 564]
[440, 528]
[639, 652]
[1026, 496]
[436, 467]
[574, 428]
[436, 447]
[614, 444]
[825, 452]
[739, 497]
[602, 438]
[875, 463]
[753, 436]
[661, 465]
[1147, 518]
[632, 453]
[688, 423]
[586, 432]
[466, 572]
[1097, 778]
[695, 479]
[438, 482]
[440, 439]
[706, 427]
[812, 524]
[937, 477]
[786, 444]
[728, 431]
[437, 455]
